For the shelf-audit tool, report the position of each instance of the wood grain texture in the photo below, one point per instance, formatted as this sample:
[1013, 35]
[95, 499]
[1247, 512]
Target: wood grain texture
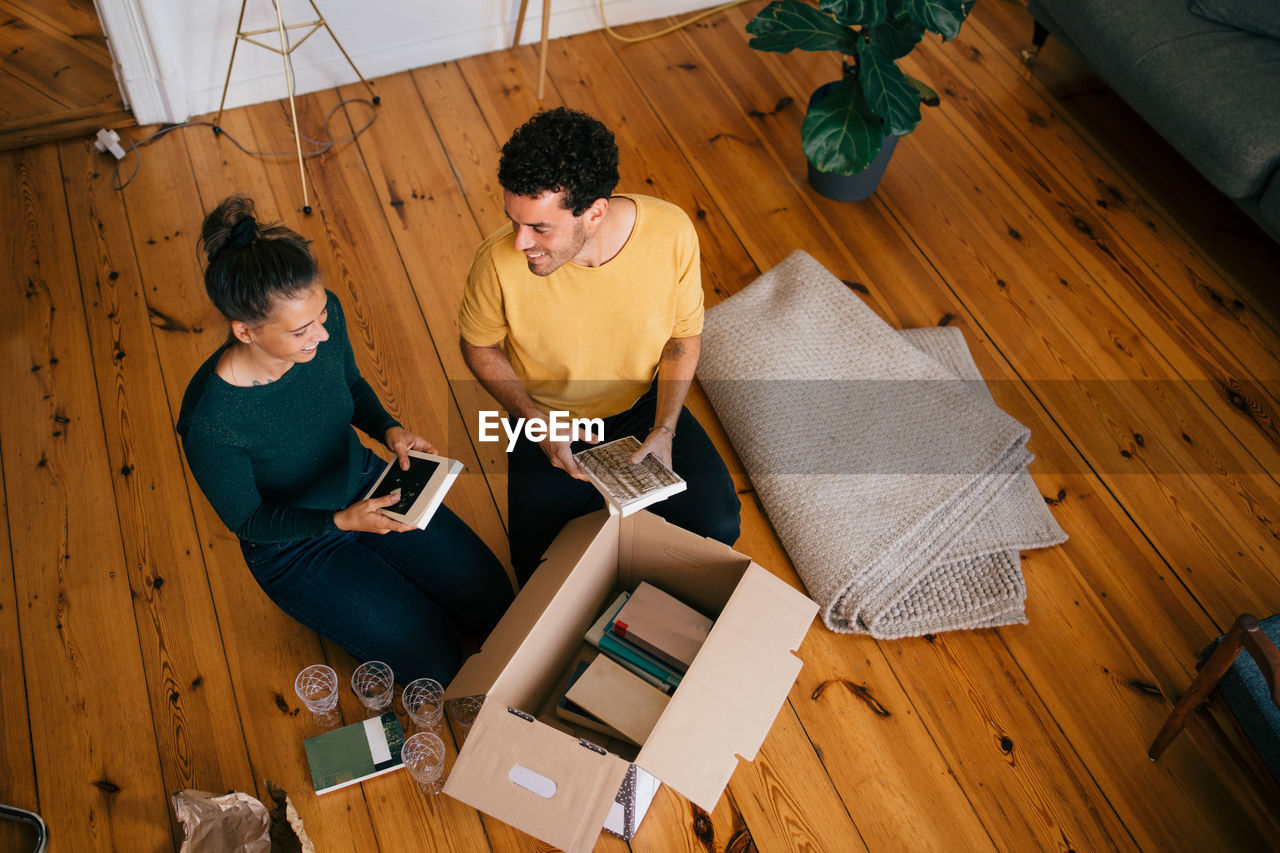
[192, 700]
[18, 781]
[1183, 204]
[1121, 414]
[58, 80]
[94, 749]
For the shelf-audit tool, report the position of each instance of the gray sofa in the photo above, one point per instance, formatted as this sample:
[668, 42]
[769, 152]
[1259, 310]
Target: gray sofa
[1204, 73]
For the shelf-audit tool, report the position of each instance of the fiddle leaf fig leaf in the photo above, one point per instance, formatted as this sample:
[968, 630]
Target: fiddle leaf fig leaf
[928, 96]
[785, 25]
[943, 17]
[888, 92]
[862, 13]
[840, 134]
[896, 40]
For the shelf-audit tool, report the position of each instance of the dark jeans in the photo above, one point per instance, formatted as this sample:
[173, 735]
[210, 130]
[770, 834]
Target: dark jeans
[542, 499]
[403, 598]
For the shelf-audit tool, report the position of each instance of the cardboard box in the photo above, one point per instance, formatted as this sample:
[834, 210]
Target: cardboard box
[524, 766]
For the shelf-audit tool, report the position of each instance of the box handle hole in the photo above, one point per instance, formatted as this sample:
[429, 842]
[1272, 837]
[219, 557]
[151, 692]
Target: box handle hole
[531, 781]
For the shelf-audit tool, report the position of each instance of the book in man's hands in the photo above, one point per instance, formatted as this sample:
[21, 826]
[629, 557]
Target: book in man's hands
[354, 753]
[422, 487]
[628, 487]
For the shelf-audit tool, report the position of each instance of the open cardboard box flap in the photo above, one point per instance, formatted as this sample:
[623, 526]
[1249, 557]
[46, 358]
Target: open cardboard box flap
[728, 700]
[522, 626]
[534, 777]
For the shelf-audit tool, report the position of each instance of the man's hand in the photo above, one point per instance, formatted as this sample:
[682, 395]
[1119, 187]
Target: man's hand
[656, 444]
[366, 516]
[400, 441]
[560, 453]
[675, 375]
[490, 365]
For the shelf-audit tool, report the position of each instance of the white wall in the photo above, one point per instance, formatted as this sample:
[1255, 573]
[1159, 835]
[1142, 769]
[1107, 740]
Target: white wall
[172, 55]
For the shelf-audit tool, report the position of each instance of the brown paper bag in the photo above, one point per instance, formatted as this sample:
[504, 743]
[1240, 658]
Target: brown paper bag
[215, 823]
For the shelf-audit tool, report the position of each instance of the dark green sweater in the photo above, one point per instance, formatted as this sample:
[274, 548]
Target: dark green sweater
[276, 461]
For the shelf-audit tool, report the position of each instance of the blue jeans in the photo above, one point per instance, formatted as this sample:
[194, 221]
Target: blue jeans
[403, 598]
[542, 499]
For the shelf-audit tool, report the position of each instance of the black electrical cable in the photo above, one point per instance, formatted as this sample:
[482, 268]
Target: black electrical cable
[322, 145]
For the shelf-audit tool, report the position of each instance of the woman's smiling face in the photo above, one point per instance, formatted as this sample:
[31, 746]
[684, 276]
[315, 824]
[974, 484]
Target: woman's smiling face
[294, 329]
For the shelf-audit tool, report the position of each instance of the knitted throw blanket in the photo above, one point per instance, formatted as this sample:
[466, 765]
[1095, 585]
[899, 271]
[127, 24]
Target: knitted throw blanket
[898, 488]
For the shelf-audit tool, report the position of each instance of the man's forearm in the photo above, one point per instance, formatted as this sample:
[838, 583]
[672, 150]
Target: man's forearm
[492, 368]
[676, 367]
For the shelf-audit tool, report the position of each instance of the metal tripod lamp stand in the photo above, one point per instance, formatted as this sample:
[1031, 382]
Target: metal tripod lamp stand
[285, 49]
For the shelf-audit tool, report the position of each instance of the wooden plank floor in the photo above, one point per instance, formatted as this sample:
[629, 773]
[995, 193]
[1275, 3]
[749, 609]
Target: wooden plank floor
[57, 78]
[1115, 303]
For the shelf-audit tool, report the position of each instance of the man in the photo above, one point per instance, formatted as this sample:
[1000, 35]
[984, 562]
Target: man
[589, 303]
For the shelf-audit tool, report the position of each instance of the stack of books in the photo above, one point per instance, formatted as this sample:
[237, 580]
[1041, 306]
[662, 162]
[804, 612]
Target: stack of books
[659, 626]
[648, 640]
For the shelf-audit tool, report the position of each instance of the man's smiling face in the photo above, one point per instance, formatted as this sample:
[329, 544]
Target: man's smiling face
[546, 231]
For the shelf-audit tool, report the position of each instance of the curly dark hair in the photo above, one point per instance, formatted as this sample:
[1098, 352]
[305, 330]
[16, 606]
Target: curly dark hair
[561, 149]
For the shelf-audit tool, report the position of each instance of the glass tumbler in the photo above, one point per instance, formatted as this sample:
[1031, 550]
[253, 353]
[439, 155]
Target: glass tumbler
[317, 687]
[423, 701]
[423, 755]
[374, 684]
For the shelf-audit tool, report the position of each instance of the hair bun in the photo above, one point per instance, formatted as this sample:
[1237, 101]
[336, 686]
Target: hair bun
[242, 233]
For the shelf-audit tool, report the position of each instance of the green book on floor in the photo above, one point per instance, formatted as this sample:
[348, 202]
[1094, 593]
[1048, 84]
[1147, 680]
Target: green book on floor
[354, 753]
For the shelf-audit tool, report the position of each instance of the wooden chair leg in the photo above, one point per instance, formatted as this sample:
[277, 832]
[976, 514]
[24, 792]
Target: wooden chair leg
[1213, 670]
[1039, 35]
[542, 52]
[524, 4]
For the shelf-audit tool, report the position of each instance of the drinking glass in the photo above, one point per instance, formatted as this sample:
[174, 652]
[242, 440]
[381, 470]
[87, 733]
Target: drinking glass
[423, 701]
[423, 755]
[463, 711]
[374, 684]
[317, 687]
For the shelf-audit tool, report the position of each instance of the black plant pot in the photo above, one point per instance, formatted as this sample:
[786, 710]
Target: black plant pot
[855, 187]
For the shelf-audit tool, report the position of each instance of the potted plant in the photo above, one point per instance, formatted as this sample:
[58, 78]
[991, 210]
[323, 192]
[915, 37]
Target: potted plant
[853, 123]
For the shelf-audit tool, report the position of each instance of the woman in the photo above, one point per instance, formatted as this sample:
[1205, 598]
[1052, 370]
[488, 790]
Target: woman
[266, 424]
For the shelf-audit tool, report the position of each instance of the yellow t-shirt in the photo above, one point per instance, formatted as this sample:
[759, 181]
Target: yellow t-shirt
[586, 340]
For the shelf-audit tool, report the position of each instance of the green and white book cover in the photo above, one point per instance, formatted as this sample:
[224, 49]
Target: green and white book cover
[354, 753]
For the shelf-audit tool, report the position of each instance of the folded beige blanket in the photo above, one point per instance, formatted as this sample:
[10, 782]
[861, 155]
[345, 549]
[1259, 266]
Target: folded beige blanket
[897, 486]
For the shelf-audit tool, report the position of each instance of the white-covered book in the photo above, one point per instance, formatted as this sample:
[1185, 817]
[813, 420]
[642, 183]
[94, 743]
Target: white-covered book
[628, 487]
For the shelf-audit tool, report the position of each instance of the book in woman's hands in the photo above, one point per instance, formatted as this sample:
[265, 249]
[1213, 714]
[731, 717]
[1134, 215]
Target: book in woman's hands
[628, 487]
[422, 487]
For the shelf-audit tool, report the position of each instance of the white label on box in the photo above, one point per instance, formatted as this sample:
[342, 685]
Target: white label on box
[535, 782]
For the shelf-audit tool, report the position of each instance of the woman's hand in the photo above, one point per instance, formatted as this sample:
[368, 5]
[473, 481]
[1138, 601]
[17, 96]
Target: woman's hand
[366, 516]
[400, 441]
